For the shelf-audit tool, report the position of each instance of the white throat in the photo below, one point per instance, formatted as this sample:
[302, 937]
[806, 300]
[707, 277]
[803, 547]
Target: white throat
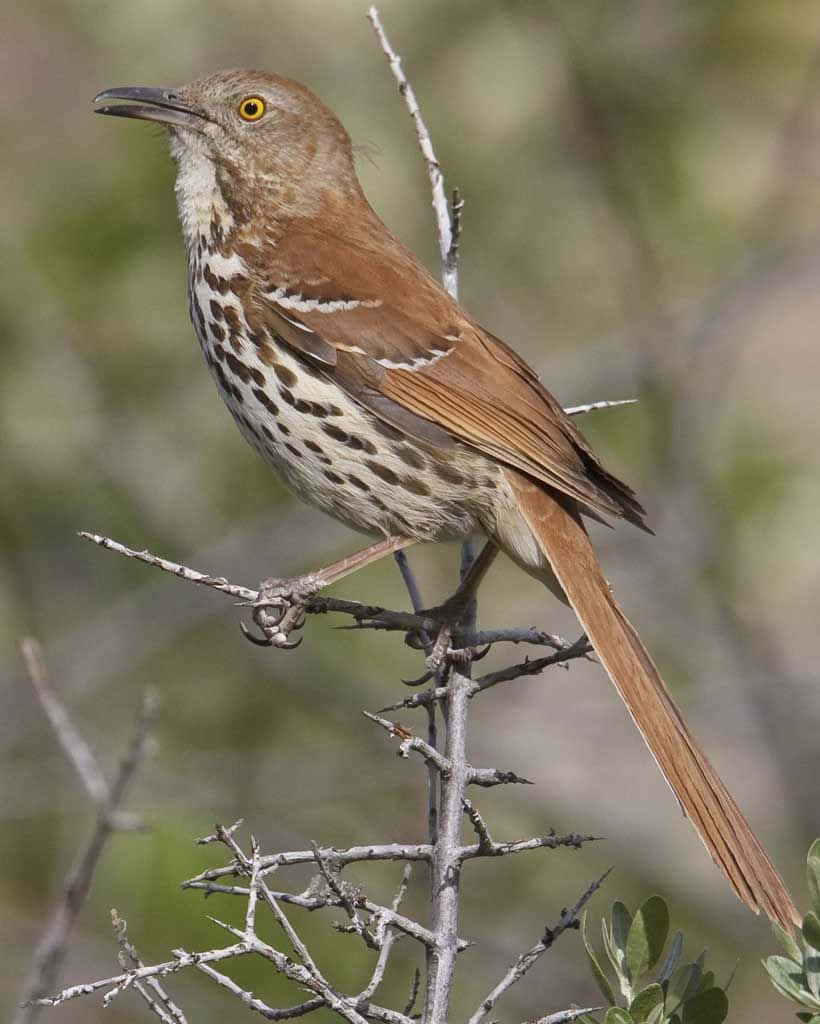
[199, 197]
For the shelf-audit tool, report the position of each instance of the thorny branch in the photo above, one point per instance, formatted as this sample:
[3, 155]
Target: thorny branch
[108, 800]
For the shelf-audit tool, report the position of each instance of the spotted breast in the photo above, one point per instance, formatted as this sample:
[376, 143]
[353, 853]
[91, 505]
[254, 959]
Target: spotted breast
[323, 444]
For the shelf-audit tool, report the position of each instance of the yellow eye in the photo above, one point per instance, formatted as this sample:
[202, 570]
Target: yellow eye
[251, 108]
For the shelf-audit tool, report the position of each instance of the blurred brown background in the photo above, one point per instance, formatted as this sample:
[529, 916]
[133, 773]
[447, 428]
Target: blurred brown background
[643, 202]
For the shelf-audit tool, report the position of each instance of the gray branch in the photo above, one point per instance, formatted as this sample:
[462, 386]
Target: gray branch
[51, 950]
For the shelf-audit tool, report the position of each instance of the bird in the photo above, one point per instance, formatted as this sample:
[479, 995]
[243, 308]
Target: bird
[375, 396]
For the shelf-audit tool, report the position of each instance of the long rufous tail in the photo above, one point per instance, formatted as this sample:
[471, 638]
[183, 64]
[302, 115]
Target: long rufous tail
[557, 525]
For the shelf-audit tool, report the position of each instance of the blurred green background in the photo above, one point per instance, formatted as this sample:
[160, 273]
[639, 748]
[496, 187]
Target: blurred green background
[643, 200]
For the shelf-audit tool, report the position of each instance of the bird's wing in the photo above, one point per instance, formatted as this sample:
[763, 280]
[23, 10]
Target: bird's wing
[378, 323]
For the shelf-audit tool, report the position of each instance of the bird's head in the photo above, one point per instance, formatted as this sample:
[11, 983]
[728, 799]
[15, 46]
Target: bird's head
[250, 135]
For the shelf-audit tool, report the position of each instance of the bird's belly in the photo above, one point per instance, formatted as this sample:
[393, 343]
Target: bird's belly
[329, 450]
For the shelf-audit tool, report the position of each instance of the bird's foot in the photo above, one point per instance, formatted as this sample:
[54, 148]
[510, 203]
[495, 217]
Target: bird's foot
[280, 610]
[441, 654]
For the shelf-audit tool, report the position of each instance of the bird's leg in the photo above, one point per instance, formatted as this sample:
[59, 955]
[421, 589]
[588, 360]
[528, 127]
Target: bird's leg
[451, 612]
[280, 607]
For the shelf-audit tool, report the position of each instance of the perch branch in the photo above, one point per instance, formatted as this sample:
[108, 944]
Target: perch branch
[567, 919]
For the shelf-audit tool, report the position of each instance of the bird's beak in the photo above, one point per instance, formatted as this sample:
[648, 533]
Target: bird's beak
[148, 104]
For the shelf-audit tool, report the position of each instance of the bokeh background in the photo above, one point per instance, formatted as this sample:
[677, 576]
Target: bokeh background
[643, 198]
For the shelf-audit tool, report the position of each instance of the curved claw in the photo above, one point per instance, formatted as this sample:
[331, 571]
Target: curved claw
[260, 641]
[482, 654]
[422, 679]
[290, 645]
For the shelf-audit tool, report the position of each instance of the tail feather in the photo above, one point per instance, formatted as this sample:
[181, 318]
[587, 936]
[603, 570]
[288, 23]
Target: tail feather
[557, 526]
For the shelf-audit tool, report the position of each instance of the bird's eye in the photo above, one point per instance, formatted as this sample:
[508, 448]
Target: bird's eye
[251, 108]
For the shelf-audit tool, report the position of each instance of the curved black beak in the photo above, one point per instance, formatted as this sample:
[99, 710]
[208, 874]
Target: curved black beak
[163, 105]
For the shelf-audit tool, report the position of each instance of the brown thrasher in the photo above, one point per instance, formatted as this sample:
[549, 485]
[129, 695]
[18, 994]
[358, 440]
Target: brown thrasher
[378, 398]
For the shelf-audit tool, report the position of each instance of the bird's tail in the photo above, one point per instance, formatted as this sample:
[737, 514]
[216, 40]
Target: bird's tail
[558, 528]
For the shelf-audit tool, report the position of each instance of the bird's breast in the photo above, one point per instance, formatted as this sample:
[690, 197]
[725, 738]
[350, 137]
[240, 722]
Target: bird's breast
[327, 448]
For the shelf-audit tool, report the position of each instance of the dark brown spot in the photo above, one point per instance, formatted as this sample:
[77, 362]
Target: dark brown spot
[283, 429]
[319, 411]
[383, 472]
[216, 331]
[267, 354]
[221, 378]
[219, 352]
[313, 447]
[210, 276]
[222, 285]
[263, 399]
[238, 368]
[336, 433]
[448, 473]
[250, 427]
[268, 433]
[200, 319]
[361, 444]
[217, 312]
[409, 456]
[237, 394]
[334, 410]
[358, 483]
[416, 486]
[232, 319]
[287, 396]
[293, 450]
[258, 376]
[300, 405]
[287, 376]
[489, 483]
[334, 478]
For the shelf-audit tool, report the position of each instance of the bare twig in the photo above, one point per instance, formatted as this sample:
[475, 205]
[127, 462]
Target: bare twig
[191, 575]
[163, 1006]
[445, 866]
[449, 253]
[566, 1016]
[51, 950]
[352, 855]
[577, 410]
[76, 749]
[567, 919]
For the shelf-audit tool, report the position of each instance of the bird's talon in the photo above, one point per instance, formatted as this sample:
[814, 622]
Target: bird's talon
[260, 641]
[422, 679]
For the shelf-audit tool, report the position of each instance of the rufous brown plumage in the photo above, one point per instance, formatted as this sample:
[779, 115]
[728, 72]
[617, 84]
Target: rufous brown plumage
[379, 399]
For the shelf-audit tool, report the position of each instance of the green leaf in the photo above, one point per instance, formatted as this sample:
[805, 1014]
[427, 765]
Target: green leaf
[709, 1007]
[809, 1018]
[645, 1002]
[686, 981]
[615, 1015]
[672, 958]
[786, 977]
[621, 921]
[811, 930]
[788, 942]
[600, 977]
[811, 971]
[609, 947]
[656, 1016]
[647, 936]
[813, 874]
